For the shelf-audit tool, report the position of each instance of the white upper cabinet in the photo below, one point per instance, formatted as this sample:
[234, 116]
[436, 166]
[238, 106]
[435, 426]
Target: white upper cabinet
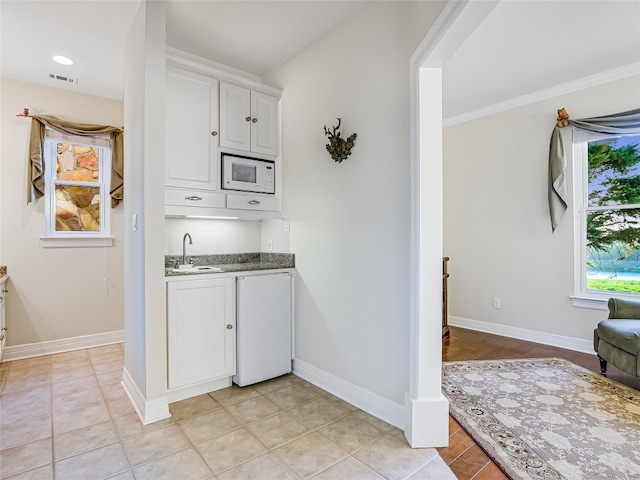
[192, 132]
[248, 120]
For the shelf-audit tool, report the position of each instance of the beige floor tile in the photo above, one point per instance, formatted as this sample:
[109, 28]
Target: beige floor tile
[60, 376]
[77, 399]
[84, 439]
[341, 403]
[192, 407]
[309, 454]
[128, 475]
[153, 445]
[264, 467]
[72, 364]
[291, 396]
[101, 463]
[106, 357]
[21, 374]
[376, 422]
[349, 468]
[15, 412]
[35, 385]
[208, 425]
[350, 433]
[233, 394]
[318, 412]
[109, 378]
[80, 417]
[40, 387]
[275, 384]
[436, 469]
[130, 425]
[62, 389]
[252, 410]
[66, 356]
[25, 432]
[106, 367]
[29, 362]
[118, 402]
[393, 458]
[41, 473]
[112, 348]
[186, 464]
[25, 457]
[230, 450]
[278, 429]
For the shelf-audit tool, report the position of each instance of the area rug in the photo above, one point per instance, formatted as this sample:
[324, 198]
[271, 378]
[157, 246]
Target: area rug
[547, 418]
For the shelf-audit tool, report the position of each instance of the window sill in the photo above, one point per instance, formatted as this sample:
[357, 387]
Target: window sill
[589, 302]
[75, 242]
[598, 302]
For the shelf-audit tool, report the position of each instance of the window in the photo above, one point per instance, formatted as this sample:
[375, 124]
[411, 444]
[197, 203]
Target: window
[77, 179]
[607, 192]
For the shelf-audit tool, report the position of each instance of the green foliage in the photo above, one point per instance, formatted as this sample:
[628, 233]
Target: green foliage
[614, 181]
[625, 286]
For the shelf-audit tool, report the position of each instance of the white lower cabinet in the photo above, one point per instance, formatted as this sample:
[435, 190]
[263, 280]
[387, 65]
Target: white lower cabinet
[201, 331]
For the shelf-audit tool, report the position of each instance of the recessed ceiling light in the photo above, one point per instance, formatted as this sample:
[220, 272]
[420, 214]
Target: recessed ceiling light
[62, 60]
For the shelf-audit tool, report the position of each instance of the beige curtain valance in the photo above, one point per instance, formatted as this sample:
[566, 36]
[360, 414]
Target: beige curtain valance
[35, 187]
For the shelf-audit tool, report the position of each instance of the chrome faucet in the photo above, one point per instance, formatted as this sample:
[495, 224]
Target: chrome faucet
[184, 247]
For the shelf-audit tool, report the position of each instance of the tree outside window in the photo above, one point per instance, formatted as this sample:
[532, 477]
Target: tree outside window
[612, 215]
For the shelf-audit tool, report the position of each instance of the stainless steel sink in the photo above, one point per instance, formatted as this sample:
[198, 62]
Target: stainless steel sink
[205, 268]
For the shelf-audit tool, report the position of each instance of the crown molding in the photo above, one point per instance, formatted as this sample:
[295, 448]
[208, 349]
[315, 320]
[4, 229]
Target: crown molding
[547, 93]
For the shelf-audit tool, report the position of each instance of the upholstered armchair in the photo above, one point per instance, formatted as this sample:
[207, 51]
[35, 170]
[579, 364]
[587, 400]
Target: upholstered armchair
[617, 339]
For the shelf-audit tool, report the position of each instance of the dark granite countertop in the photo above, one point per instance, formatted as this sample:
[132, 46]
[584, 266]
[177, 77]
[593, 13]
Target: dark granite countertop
[240, 262]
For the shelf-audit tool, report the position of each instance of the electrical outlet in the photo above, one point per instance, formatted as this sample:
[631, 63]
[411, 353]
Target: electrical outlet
[269, 245]
[496, 302]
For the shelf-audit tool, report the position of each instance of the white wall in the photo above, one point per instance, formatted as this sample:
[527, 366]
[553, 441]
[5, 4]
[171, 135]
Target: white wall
[55, 293]
[211, 236]
[496, 222]
[350, 221]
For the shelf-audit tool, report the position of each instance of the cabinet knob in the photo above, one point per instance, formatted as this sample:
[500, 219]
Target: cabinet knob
[213, 134]
[193, 198]
[229, 327]
[254, 202]
[254, 120]
[248, 119]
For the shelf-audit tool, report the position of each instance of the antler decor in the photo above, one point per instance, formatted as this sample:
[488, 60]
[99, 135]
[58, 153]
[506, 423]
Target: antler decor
[338, 147]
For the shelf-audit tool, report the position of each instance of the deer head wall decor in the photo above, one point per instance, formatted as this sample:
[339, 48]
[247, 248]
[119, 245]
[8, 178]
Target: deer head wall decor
[338, 147]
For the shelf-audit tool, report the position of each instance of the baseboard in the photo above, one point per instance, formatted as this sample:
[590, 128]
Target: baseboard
[182, 393]
[570, 343]
[372, 403]
[27, 350]
[148, 411]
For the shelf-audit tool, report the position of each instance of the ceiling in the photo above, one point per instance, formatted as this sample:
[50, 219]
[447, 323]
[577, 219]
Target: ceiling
[521, 46]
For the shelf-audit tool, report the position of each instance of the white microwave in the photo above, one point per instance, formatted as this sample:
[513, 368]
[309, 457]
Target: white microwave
[246, 174]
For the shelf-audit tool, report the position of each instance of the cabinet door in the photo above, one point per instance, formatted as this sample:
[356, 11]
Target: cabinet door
[235, 117]
[201, 330]
[191, 135]
[264, 124]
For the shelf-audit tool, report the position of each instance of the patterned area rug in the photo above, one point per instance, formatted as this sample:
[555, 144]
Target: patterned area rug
[547, 418]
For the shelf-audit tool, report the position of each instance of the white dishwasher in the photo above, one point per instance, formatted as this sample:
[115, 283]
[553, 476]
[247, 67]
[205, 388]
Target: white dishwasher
[263, 329]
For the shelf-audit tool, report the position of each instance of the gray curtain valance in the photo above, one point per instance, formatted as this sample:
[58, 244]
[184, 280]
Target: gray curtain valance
[35, 187]
[626, 123]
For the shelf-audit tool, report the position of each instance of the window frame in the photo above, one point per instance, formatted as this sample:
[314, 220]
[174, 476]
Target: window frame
[583, 297]
[80, 238]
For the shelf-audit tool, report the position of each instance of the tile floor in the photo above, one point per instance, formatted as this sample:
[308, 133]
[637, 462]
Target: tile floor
[65, 416]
